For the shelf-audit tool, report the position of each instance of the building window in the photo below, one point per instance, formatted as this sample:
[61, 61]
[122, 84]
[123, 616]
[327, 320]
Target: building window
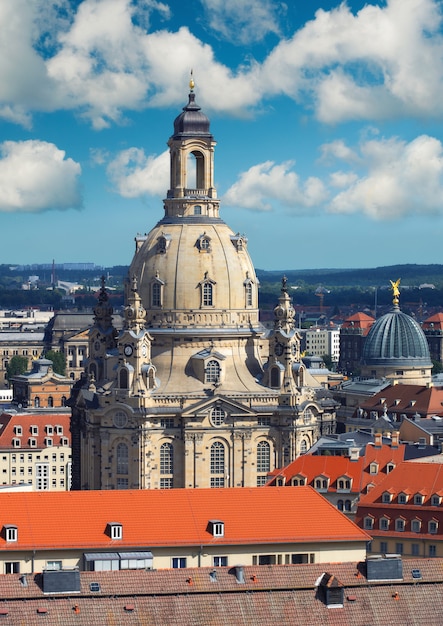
[303, 446]
[116, 531]
[220, 561]
[179, 562]
[415, 549]
[399, 525]
[59, 430]
[166, 459]
[166, 483]
[50, 401]
[383, 547]
[348, 505]
[217, 416]
[212, 372]
[415, 526]
[263, 456]
[122, 458]
[12, 567]
[54, 565]
[435, 500]
[122, 483]
[386, 497]
[16, 442]
[433, 527]
[340, 505]
[373, 468]
[384, 523]
[418, 499]
[18, 430]
[432, 551]
[34, 430]
[402, 498]
[120, 419]
[167, 422]
[248, 294]
[36, 402]
[48, 442]
[207, 294]
[344, 484]
[399, 548]
[204, 243]
[157, 294]
[11, 533]
[321, 484]
[390, 467]
[263, 421]
[217, 466]
[197, 209]
[368, 523]
[49, 429]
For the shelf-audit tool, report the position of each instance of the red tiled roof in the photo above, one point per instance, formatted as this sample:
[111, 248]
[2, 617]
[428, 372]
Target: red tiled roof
[359, 320]
[436, 320]
[8, 422]
[173, 517]
[312, 466]
[408, 399]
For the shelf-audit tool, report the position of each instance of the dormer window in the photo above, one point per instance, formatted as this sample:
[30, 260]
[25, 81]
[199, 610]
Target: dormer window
[386, 497]
[115, 530]
[321, 483]
[435, 500]
[403, 498]
[163, 243]
[373, 468]
[239, 242]
[344, 483]
[433, 526]
[418, 499]
[390, 467]
[48, 442]
[32, 442]
[11, 533]
[15, 442]
[18, 430]
[34, 430]
[298, 481]
[399, 525]
[368, 522]
[384, 523]
[212, 371]
[49, 429]
[204, 243]
[415, 525]
[216, 528]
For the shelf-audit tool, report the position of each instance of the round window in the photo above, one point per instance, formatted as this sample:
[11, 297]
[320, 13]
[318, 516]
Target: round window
[120, 419]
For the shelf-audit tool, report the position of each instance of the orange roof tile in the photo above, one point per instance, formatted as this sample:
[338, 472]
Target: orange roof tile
[173, 517]
[408, 399]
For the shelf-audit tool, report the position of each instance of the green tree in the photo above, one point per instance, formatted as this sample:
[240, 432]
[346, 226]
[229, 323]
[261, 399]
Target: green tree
[437, 367]
[17, 365]
[327, 360]
[58, 361]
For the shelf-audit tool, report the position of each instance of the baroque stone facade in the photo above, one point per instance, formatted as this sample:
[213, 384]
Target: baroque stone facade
[192, 392]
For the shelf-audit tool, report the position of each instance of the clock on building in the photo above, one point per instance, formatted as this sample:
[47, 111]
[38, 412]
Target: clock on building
[128, 350]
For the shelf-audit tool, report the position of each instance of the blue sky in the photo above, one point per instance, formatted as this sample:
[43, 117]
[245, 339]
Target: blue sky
[327, 117]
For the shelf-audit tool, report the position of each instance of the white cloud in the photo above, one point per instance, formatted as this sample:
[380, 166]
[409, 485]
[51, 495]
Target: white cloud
[381, 62]
[35, 176]
[401, 179]
[134, 174]
[243, 22]
[267, 185]
[99, 59]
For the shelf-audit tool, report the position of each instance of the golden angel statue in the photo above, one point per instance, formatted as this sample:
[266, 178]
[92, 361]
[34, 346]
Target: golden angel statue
[395, 290]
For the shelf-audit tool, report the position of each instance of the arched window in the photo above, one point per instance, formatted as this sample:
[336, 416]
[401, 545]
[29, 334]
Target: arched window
[303, 446]
[123, 384]
[340, 505]
[217, 467]
[263, 457]
[50, 401]
[122, 458]
[197, 209]
[166, 459]
[212, 372]
[63, 400]
[36, 402]
[275, 377]
[93, 371]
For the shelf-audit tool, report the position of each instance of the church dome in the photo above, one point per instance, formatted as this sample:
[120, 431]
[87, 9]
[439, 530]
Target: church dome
[396, 338]
[192, 121]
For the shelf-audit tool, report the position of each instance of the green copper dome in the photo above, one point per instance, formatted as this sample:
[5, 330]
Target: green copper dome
[396, 338]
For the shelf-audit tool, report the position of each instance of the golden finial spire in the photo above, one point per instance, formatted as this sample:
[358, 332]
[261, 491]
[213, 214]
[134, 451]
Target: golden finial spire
[191, 82]
[395, 291]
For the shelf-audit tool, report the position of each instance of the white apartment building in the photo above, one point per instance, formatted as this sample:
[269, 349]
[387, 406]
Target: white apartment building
[320, 340]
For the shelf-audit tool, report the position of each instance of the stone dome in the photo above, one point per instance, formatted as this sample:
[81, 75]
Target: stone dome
[396, 339]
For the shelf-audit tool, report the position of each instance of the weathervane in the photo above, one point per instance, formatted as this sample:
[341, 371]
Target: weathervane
[191, 82]
[395, 291]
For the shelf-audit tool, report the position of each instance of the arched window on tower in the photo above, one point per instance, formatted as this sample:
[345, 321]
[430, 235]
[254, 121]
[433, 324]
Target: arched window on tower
[248, 293]
[123, 379]
[156, 295]
[212, 371]
[122, 458]
[275, 378]
[166, 466]
[195, 170]
[217, 468]
[263, 462]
